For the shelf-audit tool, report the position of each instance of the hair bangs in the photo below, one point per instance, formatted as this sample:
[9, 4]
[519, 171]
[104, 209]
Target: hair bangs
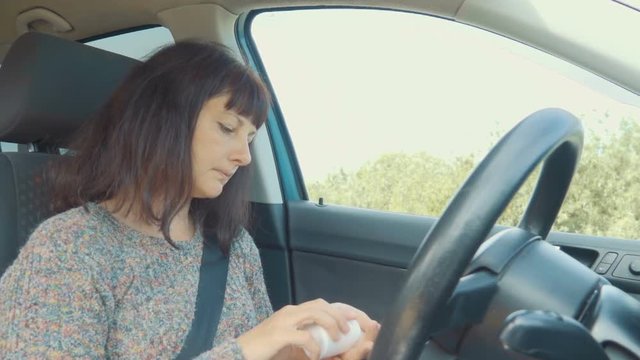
[248, 96]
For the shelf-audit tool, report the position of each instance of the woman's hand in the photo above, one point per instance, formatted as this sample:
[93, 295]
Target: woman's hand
[284, 330]
[364, 346]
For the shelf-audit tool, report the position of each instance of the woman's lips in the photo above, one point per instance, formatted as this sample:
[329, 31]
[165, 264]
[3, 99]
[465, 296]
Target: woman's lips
[226, 174]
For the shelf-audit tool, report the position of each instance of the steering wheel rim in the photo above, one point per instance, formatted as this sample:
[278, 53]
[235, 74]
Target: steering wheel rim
[550, 135]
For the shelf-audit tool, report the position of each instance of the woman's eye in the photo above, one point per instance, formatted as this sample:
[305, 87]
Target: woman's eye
[225, 129]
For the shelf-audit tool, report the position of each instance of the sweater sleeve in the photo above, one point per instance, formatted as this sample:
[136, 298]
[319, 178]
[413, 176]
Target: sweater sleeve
[228, 350]
[49, 303]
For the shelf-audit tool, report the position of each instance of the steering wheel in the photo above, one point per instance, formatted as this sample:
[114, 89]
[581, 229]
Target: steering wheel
[483, 318]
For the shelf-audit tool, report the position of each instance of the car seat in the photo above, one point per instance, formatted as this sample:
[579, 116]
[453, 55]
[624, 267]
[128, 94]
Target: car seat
[49, 86]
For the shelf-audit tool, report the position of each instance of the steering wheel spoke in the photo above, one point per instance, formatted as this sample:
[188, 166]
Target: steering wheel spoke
[547, 335]
[468, 305]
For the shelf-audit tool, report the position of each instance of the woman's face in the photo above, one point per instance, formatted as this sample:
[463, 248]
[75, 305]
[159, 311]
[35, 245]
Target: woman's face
[220, 146]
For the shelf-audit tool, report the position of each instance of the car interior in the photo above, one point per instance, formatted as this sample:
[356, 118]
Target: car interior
[456, 286]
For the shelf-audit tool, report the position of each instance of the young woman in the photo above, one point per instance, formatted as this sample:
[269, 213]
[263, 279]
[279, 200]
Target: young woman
[158, 180]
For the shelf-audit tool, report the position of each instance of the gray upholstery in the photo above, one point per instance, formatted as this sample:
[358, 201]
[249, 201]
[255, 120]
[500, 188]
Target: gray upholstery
[48, 88]
[25, 202]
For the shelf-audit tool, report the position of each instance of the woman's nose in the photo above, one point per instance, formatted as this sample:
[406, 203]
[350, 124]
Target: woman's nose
[242, 153]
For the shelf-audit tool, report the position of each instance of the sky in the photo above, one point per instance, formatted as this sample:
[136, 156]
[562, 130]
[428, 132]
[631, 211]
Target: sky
[136, 44]
[355, 84]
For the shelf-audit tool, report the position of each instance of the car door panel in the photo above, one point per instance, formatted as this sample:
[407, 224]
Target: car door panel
[360, 234]
[351, 255]
[360, 256]
[270, 235]
[365, 285]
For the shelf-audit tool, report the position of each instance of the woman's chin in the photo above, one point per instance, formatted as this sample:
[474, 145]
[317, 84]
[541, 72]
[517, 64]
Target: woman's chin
[208, 193]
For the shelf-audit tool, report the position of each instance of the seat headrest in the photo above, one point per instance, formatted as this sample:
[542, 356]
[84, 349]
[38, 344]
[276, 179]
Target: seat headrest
[49, 86]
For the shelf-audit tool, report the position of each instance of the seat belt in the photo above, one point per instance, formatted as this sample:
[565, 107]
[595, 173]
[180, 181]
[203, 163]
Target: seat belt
[211, 288]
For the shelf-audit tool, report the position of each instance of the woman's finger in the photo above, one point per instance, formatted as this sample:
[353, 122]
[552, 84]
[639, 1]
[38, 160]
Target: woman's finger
[319, 313]
[358, 352]
[368, 326]
[305, 341]
[350, 311]
[335, 310]
[371, 332]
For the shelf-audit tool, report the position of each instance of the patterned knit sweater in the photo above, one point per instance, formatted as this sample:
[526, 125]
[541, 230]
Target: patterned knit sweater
[87, 286]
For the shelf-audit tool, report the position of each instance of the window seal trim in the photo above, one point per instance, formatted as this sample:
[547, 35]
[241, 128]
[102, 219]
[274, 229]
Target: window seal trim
[118, 32]
[288, 168]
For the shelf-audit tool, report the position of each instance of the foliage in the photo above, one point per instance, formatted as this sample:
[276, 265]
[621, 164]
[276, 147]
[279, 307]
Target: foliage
[602, 200]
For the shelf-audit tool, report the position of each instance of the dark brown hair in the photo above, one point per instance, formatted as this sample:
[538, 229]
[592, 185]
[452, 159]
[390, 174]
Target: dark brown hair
[138, 148]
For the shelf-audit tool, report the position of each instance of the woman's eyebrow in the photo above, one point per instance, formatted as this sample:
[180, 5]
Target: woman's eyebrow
[242, 121]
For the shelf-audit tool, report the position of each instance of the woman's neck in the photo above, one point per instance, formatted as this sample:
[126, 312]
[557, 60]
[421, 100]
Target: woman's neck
[181, 227]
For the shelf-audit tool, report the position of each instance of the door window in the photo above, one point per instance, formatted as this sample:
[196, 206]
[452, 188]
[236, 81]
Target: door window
[391, 111]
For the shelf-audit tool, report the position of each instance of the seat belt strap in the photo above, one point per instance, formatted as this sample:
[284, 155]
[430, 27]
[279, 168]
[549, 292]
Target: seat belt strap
[209, 301]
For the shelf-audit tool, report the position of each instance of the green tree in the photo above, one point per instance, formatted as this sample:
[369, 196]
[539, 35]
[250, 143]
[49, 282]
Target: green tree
[604, 198]
[412, 183]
